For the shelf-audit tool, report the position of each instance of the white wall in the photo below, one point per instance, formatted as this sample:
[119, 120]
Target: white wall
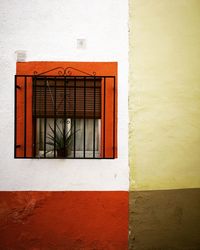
[48, 30]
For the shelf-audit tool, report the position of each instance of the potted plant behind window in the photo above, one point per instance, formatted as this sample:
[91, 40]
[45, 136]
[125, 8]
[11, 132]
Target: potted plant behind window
[61, 138]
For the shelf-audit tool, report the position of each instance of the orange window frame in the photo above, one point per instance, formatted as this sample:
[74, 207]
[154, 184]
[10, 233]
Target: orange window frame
[24, 118]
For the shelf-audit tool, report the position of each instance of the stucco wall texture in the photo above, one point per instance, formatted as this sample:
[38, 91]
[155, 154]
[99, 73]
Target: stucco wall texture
[58, 218]
[48, 31]
[64, 220]
[164, 109]
[164, 96]
[164, 220]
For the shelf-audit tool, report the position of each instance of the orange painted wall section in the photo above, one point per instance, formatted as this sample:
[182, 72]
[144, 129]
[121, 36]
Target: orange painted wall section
[99, 68]
[64, 220]
[20, 109]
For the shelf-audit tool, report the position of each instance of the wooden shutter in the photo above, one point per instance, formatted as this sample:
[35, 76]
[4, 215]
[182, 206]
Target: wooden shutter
[57, 97]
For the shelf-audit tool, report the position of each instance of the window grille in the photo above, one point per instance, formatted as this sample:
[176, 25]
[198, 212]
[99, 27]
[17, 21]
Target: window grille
[65, 117]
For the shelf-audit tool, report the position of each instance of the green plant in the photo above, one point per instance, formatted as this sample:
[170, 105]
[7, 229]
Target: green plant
[61, 138]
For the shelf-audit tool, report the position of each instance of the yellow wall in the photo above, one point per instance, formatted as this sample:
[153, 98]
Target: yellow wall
[164, 99]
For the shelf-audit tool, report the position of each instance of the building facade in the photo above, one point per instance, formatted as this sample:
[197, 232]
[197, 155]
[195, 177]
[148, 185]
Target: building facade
[147, 195]
[164, 136]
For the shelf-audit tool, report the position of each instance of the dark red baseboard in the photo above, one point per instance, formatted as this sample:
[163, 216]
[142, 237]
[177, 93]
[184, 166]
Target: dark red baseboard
[64, 220]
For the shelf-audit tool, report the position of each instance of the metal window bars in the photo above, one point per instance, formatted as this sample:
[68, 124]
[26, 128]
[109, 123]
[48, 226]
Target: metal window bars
[61, 116]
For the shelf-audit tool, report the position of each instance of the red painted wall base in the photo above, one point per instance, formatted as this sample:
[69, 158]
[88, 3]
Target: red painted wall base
[64, 220]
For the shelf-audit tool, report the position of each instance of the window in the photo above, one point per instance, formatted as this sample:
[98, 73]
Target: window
[65, 114]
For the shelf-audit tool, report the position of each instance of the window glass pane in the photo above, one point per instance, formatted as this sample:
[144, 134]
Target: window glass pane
[89, 135]
[69, 131]
[50, 137]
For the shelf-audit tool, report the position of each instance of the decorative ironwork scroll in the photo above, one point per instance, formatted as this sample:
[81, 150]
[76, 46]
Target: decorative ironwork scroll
[69, 71]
